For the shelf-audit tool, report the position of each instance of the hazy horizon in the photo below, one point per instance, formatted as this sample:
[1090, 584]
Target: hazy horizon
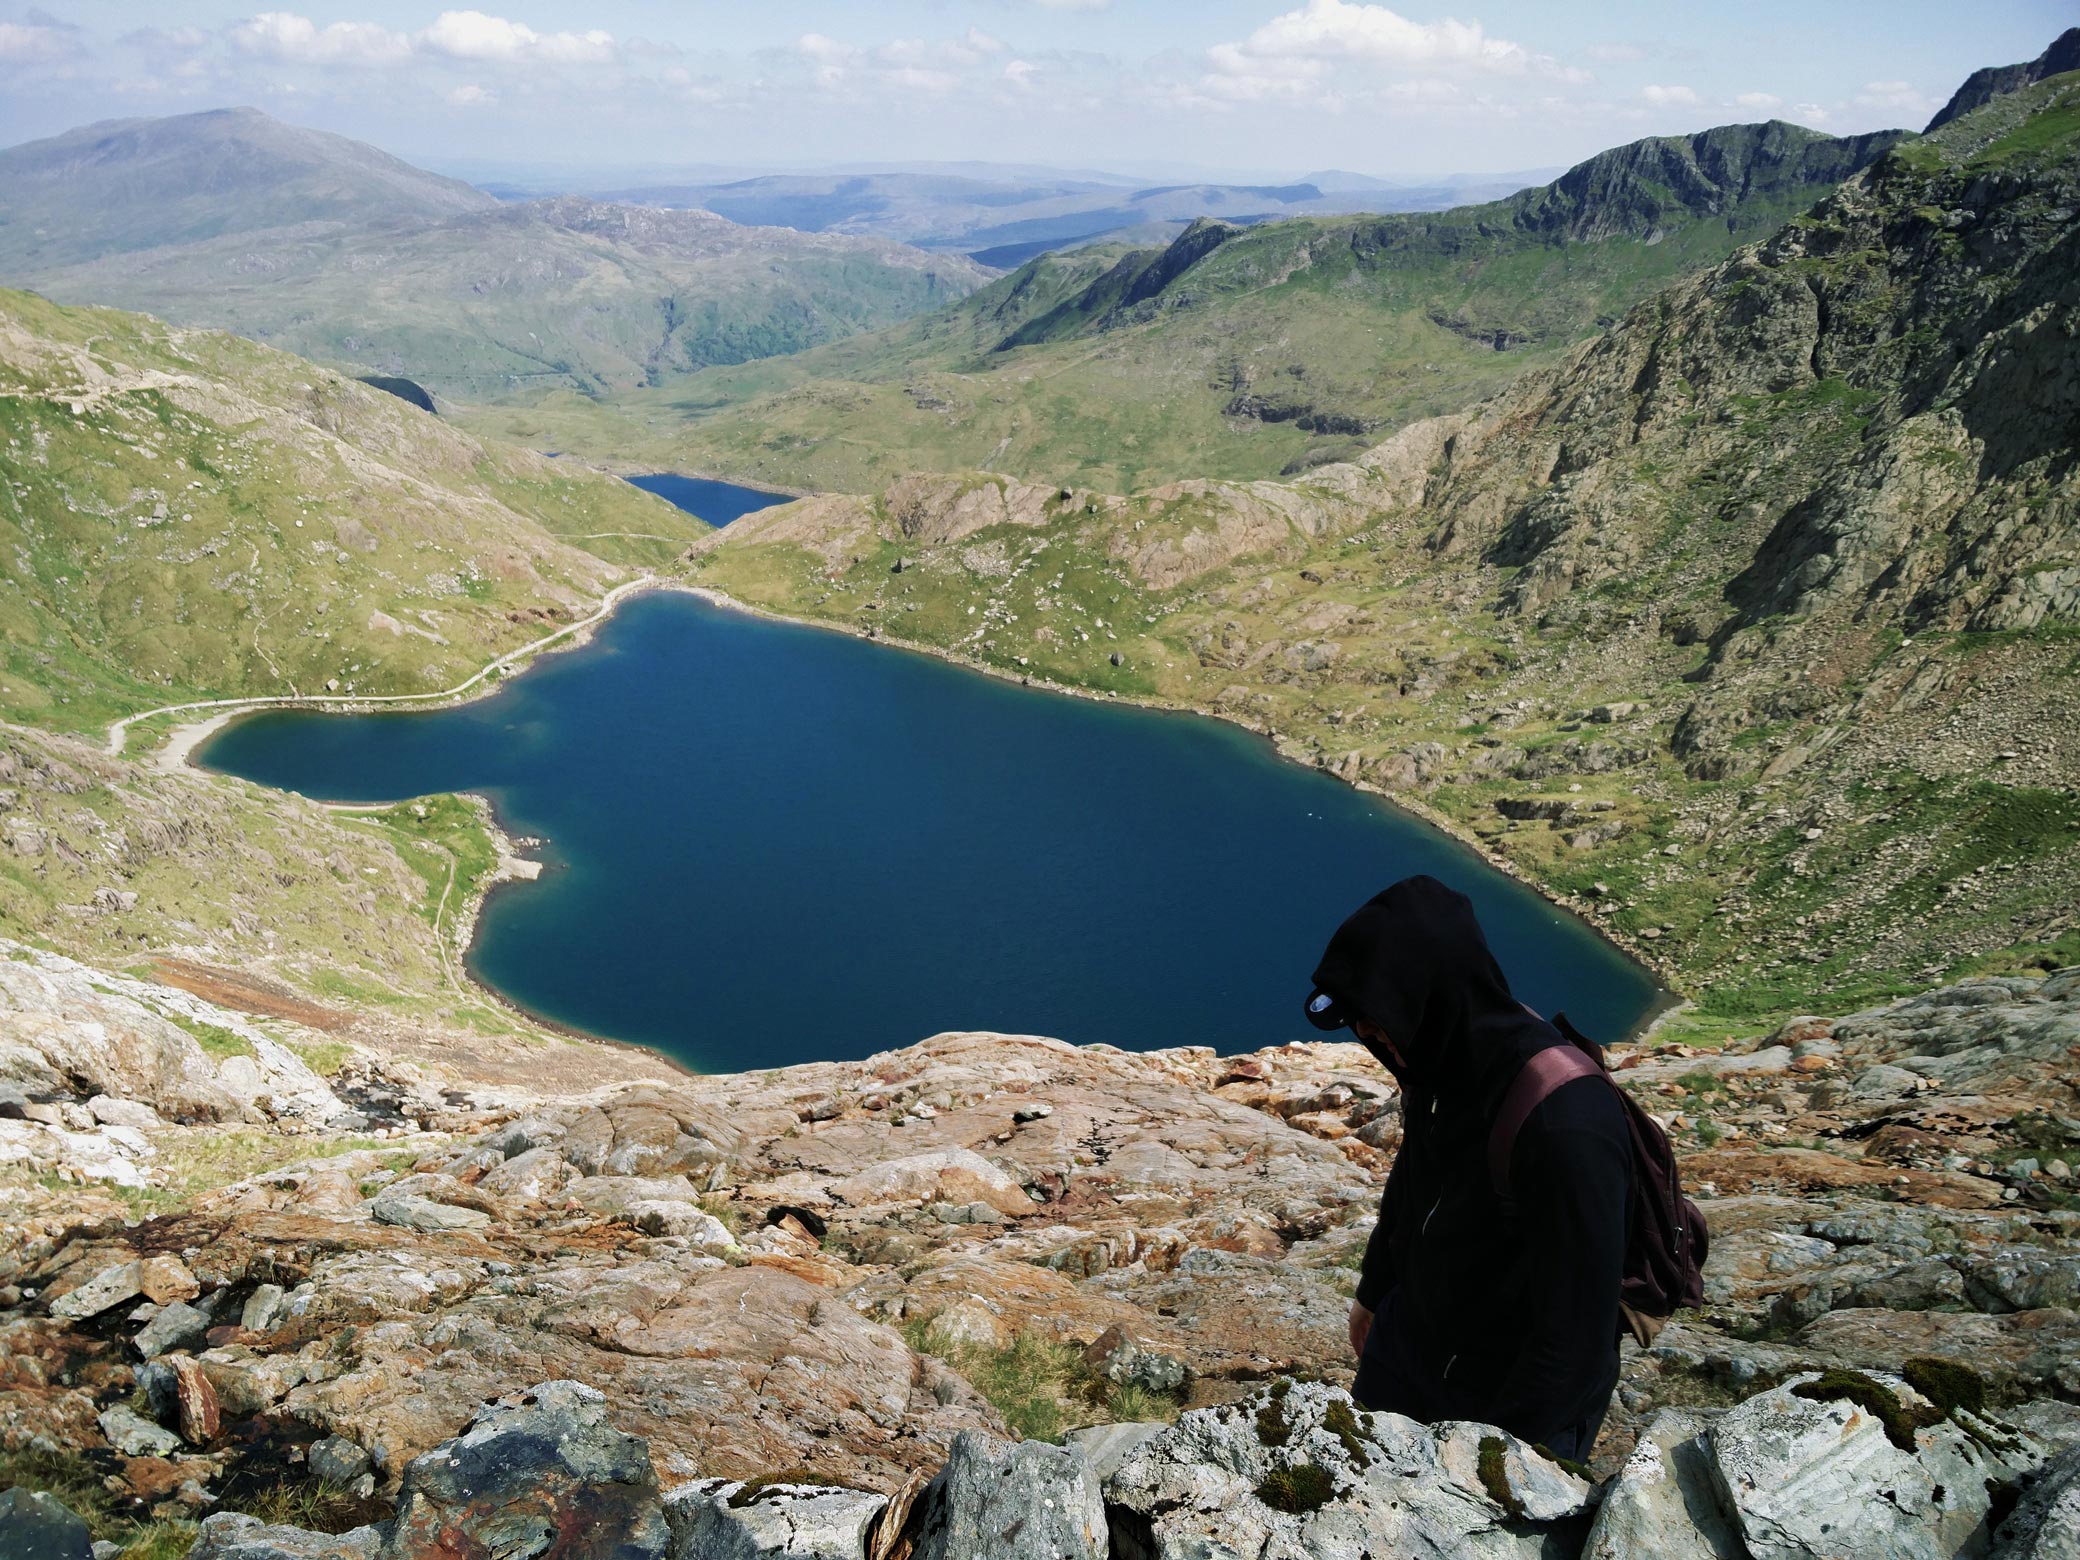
[1229, 90]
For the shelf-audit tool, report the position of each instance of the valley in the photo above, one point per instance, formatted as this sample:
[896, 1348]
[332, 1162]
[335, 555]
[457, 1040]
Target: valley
[1696, 537]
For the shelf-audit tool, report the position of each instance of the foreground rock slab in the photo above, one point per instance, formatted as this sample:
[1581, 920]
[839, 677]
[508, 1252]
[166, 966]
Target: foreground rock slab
[1297, 1472]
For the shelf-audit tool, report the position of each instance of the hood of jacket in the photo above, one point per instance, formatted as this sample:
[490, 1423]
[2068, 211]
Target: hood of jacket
[1413, 960]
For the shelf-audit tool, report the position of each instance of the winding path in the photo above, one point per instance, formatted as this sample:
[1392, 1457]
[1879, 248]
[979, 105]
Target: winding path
[119, 731]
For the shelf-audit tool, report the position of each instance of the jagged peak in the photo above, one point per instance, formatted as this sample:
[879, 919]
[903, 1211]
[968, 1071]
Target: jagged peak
[1983, 86]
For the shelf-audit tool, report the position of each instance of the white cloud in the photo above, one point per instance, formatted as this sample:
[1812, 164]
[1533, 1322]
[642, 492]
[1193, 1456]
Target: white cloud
[472, 35]
[1761, 102]
[293, 39]
[1337, 30]
[1365, 50]
[470, 95]
[1670, 97]
[1811, 114]
[1616, 53]
[916, 66]
[32, 41]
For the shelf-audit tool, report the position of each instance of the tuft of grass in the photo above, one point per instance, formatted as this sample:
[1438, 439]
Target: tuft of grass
[1342, 1423]
[1494, 1474]
[752, 1491]
[214, 1038]
[1273, 1428]
[1297, 1489]
[324, 1057]
[1947, 1385]
[313, 1504]
[110, 1517]
[1041, 1386]
[1874, 1398]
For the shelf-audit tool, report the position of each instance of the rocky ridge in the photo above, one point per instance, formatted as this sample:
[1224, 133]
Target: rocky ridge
[825, 1299]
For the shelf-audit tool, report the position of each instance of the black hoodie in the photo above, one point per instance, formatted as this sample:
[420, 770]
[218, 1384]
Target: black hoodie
[1499, 1309]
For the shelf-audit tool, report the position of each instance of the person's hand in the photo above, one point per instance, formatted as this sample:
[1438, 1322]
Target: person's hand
[1361, 1326]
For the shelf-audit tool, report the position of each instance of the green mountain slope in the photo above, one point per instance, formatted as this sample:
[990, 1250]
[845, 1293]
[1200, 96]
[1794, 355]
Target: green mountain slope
[185, 515]
[1234, 352]
[131, 184]
[333, 250]
[1751, 626]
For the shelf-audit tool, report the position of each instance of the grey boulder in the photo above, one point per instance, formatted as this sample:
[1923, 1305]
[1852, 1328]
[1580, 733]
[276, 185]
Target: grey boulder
[1022, 1500]
[725, 1519]
[536, 1472]
[1805, 1476]
[136, 1436]
[177, 1325]
[1665, 1503]
[2045, 1524]
[35, 1525]
[231, 1535]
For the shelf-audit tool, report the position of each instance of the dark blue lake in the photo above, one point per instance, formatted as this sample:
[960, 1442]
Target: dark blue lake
[718, 503]
[773, 844]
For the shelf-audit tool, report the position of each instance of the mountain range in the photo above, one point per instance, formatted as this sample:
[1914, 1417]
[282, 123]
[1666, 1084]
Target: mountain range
[1232, 351]
[331, 249]
[1004, 222]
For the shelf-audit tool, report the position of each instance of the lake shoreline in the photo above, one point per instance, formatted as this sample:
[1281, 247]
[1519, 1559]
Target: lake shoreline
[178, 751]
[1668, 1002]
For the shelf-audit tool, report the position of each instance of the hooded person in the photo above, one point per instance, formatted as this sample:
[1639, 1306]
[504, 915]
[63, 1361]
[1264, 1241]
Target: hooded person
[1475, 1304]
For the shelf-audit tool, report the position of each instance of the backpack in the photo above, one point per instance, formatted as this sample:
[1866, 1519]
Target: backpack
[1666, 1240]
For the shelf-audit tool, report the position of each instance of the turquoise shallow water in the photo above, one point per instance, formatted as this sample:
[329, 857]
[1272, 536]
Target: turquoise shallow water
[770, 844]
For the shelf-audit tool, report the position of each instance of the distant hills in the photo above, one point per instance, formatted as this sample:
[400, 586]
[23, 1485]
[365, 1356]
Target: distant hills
[129, 184]
[1004, 221]
[1239, 351]
[335, 250]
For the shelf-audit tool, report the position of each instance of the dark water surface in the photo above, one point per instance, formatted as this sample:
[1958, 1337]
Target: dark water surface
[718, 503]
[773, 844]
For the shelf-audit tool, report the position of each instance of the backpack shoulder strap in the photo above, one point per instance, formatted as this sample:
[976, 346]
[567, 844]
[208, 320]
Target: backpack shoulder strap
[1543, 1072]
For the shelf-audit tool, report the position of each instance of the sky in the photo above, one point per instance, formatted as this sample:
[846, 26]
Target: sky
[1230, 88]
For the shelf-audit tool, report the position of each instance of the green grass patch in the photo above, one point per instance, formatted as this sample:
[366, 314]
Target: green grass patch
[213, 1038]
[1041, 1386]
[324, 1057]
[79, 1482]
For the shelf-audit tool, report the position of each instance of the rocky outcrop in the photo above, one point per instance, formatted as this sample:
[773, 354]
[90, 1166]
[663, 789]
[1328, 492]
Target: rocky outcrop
[821, 1296]
[1298, 1473]
[71, 1033]
[1847, 1468]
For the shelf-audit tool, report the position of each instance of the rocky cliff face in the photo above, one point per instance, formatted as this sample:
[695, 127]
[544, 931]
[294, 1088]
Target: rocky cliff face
[824, 1296]
[1983, 86]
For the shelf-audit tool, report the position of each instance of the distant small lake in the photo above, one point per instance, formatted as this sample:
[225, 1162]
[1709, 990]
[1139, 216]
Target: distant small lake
[718, 503]
[771, 844]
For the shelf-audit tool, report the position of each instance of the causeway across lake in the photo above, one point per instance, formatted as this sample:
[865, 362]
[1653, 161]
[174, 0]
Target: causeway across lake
[768, 843]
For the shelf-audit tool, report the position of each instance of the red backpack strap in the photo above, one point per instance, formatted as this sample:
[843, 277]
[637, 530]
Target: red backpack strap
[1542, 1073]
